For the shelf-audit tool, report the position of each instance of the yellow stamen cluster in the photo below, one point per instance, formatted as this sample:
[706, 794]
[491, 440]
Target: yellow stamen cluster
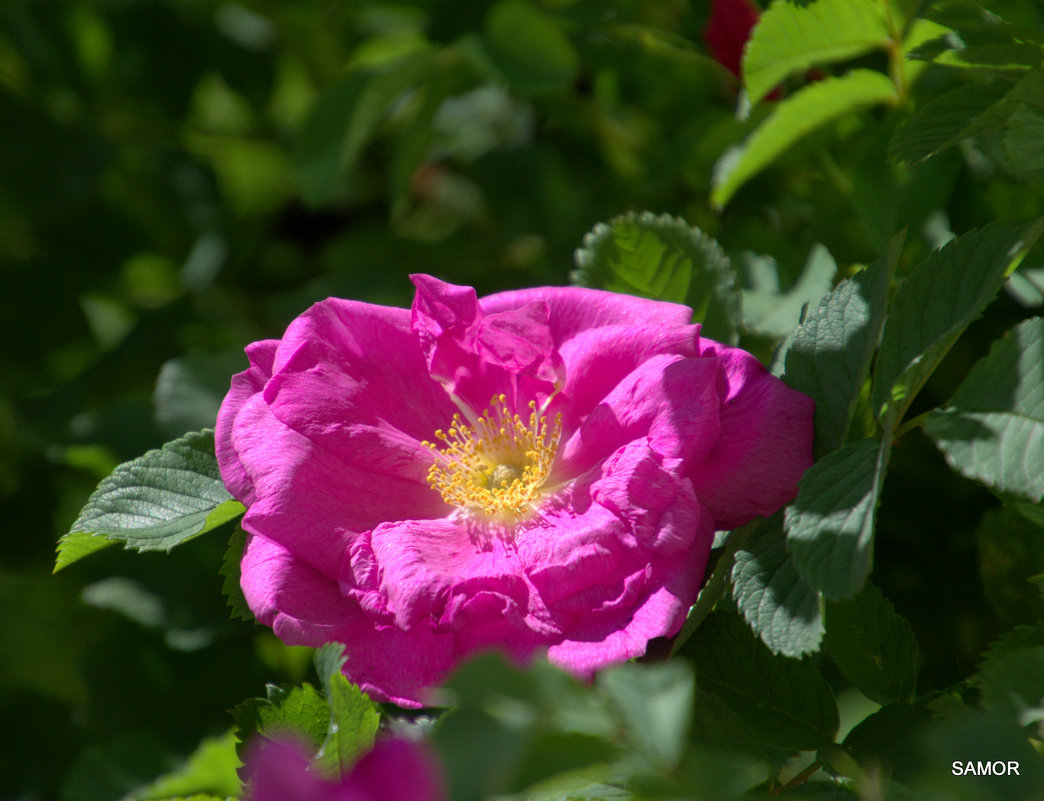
[498, 466]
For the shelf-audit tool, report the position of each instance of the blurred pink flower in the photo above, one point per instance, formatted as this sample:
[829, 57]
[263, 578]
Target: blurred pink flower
[728, 29]
[536, 469]
[395, 770]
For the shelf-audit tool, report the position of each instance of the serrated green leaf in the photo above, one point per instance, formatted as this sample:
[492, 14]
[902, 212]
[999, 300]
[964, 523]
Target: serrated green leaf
[230, 586]
[655, 704]
[992, 430]
[873, 646]
[890, 737]
[1023, 143]
[1011, 675]
[354, 718]
[1011, 554]
[663, 257]
[830, 354]
[343, 119]
[528, 47]
[782, 702]
[793, 119]
[937, 301]
[790, 38]
[830, 525]
[947, 120]
[780, 606]
[296, 714]
[154, 502]
[773, 314]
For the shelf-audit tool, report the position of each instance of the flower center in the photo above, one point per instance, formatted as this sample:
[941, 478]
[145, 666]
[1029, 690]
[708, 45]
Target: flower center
[496, 466]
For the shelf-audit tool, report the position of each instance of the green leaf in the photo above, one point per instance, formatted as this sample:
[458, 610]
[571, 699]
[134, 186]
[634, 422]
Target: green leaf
[298, 714]
[230, 587]
[655, 704]
[772, 314]
[790, 38]
[890, 737]
[345, 117]
[354, 718]
[528, 47]
[189, 390]
[780, 606]
[664, 258]
[830, 525]
[1011, 554]
[939, 299]
[946, 120]
[593, 783]
[1023, 143]
[794, 118]
[873, 646]
[154, 502]
[209, 772]
[992, 430]
[830, 354]
[782, 702]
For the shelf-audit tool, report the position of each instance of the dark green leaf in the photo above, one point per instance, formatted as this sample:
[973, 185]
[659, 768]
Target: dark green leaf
[790, 38]
[1024, 143]
[781, 702]
[664, 258]
[830, 525]
[793, 119]
[230, 587]
[890, 737]
[992, 430]
[209, 772]
[829, 356]
[772, 314]
[354, 718]
[189, 390]
[937, 301]
[1011, 554]
[594, 783]
[778, 604]
[946, 120]
[655, 703]
[528, 47]
[154, 502]
[873, 646]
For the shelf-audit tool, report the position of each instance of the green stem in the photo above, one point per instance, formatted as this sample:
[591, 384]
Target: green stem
[910, 425]
[801, 778]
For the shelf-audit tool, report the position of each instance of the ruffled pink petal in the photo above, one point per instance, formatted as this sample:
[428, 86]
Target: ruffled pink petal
[671, 400]
[244, 386]
[765, 444]
[398, 770]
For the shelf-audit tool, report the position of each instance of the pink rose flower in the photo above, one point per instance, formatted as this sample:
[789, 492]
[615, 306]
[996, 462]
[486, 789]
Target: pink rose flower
[536, 469]
[395, 770]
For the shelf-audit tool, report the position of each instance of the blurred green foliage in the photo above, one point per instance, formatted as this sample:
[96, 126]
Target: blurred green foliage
[180, 178]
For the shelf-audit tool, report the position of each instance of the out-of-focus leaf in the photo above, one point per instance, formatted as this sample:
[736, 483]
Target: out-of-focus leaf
[890, 738]
[189, 390]
[528, 47]
[873, 646]
[655, 702]
[937, 301]
[774, 314]
[209, 772]
[354, 718]
[1011, 553]
[790, 38]
[154, 502]
[830, 525]
[782, 702]
[664, 258]
[992, 430]
[793, 119]
[1024, 143]
[830, 354]
[778, 604]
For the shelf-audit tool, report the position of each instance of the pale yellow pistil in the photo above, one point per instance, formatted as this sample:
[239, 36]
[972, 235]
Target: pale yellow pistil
[497, 466]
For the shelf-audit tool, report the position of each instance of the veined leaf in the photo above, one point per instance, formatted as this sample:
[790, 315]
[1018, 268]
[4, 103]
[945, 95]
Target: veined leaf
[793, 118]
[780, 606]
[937, 301]
[873, 646]
[159, 500]
[830, 525]
[1024, 143]
[790, 38]
[829, 356]
[354, 718]
[665, 258]
[774, 314]
[294, 714]
[992, 430]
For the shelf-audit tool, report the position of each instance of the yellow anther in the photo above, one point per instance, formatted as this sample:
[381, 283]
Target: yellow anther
[497, 467]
